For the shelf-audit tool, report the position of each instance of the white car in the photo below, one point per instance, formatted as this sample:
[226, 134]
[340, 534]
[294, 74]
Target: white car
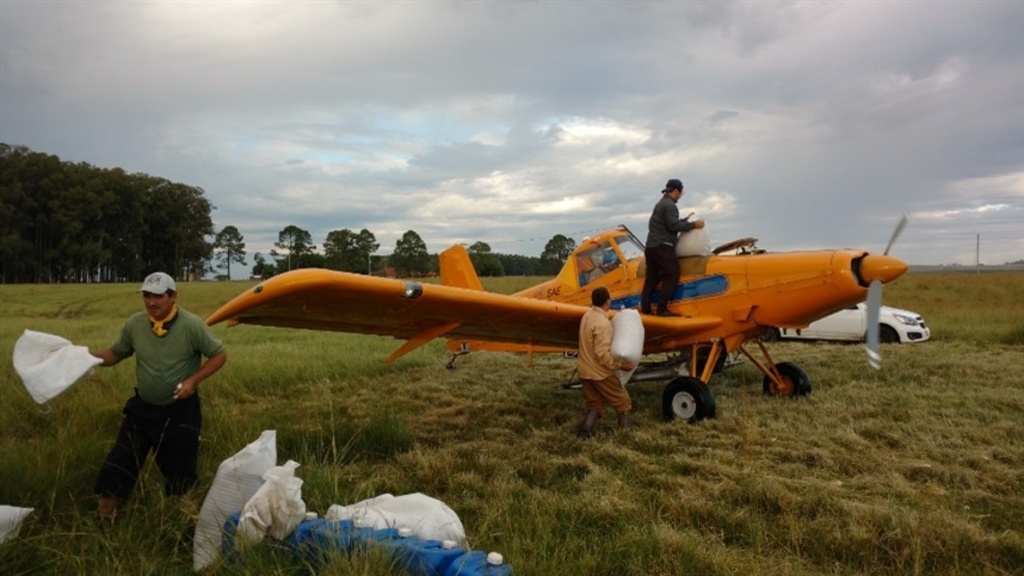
[894, 326]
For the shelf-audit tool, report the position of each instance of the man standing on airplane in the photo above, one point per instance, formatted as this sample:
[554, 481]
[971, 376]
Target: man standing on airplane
[663, 231]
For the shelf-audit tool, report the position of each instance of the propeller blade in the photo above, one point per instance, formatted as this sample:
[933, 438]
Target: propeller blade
[874, 306]
[895, 233]
[879, 270]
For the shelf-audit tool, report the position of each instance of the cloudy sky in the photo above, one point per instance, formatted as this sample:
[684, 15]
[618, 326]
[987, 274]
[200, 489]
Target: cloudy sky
[804, 124]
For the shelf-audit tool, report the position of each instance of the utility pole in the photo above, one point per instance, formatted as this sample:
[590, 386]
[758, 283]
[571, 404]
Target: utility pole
[977, 254]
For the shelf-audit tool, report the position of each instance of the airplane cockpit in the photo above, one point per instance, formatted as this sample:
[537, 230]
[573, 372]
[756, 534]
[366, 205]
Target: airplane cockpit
[606, 256]
[630, 247]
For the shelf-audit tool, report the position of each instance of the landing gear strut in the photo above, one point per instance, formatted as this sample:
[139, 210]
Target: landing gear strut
[688, 397]
[453, 356]
[782, 379]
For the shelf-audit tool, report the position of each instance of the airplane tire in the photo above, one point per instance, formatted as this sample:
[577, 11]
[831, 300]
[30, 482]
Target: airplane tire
[798, 383]
[687, 398]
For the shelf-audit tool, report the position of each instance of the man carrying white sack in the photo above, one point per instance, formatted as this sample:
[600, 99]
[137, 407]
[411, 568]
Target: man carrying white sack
[164, 416]
[596, 366]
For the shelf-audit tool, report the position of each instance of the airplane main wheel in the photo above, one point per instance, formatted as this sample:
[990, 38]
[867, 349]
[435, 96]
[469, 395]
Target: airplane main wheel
[795, 382]
[687, 398]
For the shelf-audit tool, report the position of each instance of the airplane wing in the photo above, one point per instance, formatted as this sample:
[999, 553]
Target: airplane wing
[320, 299]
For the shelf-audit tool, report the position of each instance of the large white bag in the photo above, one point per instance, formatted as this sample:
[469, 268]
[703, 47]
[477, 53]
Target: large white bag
[427, 518]
[627, 340]
[696, 242]
[238, 479]
[48, 364]
[276, 508]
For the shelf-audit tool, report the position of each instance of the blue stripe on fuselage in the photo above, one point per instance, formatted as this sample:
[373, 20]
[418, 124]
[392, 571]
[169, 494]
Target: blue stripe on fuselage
[707, 286]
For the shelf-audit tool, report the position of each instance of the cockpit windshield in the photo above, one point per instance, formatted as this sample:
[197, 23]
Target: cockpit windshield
[593, 263]
[629, 247]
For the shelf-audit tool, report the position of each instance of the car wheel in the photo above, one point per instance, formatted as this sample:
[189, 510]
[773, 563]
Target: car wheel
[770, 335]
[888, 334]
[795, 381]
[687, 398]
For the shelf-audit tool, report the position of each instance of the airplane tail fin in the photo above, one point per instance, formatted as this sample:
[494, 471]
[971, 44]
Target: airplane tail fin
[457, 269]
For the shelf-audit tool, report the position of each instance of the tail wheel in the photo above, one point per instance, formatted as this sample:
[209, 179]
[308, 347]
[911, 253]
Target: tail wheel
[687, 398]
[795, 382]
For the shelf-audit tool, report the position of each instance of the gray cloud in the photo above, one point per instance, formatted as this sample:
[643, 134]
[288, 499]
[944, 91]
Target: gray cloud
[803, 124]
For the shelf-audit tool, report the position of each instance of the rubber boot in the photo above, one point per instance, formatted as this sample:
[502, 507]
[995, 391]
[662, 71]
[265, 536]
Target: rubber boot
[625, 421]
[587, 428]
[107, 508]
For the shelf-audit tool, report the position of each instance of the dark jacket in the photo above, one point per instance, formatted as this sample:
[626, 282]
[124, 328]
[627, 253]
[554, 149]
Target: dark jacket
[664, 226]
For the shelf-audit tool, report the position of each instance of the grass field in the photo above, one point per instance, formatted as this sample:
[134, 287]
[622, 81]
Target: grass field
[917, 469]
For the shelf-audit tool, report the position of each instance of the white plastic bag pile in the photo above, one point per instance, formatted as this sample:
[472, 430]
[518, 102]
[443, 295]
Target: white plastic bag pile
[238, 479]
[427, 518]
[269, 498]
[48, 364]
[276, 508]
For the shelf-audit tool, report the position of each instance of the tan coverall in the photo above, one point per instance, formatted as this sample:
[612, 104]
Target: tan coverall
[596, 366]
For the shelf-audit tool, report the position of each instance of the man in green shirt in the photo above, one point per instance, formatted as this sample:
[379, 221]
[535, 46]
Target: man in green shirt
[164, 416]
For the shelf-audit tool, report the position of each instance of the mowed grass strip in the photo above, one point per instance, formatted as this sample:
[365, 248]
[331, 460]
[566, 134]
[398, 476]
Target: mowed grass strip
[916, 469]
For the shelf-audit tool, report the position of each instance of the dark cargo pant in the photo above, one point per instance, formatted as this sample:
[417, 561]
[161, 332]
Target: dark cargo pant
[171, 431]
[662, 266]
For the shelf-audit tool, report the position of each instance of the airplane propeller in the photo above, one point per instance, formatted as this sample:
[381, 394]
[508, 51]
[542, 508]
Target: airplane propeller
[896, 233]
[875, 303]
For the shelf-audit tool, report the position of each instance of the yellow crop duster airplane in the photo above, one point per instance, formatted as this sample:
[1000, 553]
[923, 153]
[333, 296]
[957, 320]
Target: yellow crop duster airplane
[726, 301]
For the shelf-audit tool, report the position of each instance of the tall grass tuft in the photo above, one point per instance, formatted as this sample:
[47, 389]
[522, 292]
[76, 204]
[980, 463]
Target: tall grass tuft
[384, 436]
[1014, 336]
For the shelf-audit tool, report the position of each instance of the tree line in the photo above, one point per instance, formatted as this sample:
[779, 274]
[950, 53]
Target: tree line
[73, 222]
[67, 222]
[351, 251]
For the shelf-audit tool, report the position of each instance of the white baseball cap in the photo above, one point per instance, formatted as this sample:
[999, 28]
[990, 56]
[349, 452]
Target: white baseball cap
[158, 283]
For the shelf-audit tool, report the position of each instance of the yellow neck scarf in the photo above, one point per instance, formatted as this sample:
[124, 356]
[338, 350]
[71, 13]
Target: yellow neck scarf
[158, 325]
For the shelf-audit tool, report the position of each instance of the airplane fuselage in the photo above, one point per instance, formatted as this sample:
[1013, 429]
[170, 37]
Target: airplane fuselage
[748, 292]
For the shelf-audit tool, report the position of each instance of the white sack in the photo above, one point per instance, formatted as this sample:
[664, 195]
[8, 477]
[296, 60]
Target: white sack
[238, 479]
[428, 518]
[627, 340]
[696, 242]
[48, 364]
[10, 520]
[276, 508]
